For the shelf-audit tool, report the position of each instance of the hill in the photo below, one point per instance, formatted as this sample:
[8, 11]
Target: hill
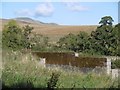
[52, 30]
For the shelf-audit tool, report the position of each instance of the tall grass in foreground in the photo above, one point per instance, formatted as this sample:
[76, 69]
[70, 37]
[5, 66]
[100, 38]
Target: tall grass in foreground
[24, 71]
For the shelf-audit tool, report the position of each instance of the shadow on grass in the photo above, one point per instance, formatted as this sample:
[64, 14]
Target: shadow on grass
[24, 84]
[27, 85]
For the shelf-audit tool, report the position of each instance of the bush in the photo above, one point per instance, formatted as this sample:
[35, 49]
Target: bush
[14, 37]
[52, 82]
[116, 64]
[39, 42]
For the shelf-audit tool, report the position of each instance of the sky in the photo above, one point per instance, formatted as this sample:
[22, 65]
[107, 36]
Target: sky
[63, 13]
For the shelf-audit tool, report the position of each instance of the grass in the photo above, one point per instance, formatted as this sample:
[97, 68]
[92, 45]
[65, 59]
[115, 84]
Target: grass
[23, 70]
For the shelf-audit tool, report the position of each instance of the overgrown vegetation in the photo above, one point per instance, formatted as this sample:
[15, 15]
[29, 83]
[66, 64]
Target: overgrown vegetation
[52, 82]
[116, 64]
[22, 70]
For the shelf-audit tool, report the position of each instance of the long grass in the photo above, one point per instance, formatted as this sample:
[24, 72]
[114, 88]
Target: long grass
[24, 71]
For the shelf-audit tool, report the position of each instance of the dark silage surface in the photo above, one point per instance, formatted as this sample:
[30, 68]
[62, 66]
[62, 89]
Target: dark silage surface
[68, 58]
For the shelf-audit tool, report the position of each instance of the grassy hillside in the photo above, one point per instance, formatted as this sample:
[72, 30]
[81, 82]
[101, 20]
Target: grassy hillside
[54, 32]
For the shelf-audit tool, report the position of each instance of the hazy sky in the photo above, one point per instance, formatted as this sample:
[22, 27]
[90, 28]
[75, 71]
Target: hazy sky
[67, 13]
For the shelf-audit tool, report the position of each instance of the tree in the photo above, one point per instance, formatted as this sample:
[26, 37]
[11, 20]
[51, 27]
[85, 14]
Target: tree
[12, 36]
[26, 36]
[68, 42]
[116, 33]
[39, 42]
[77, 43]
[107, 20]
[104, 39]
[83, 42]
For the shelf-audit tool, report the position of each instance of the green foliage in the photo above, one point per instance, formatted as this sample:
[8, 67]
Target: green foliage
[116, 33]
[77, 43]
[52, 82]
[105, 38]
[104, 41]
[67, 42]
[26, 36]
[39, 42]
[116, 64]
[17, 38]
[14, 37]
[83, 42]
[11, 36]
[107, 20]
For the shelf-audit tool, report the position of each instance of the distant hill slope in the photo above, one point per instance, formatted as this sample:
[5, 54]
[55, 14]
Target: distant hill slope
[29, 20]
[52, 30]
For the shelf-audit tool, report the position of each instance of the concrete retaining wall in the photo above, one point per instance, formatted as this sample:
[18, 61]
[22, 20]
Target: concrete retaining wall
[68, 60]
[71, 59]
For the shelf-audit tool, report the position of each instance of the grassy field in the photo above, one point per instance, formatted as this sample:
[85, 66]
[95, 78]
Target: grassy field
[54, 32]
[24, 70]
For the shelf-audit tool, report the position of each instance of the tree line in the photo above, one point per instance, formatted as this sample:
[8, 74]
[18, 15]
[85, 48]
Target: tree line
[104, 40]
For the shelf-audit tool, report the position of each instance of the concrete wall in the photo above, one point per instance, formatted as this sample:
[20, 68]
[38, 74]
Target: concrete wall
[42, 62]
[115, 73]
[112, 57]
[66, 60]
[108, 66]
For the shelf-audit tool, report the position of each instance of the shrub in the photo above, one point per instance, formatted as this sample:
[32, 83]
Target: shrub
[14, 37]
[116, 63]
[52, 82]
